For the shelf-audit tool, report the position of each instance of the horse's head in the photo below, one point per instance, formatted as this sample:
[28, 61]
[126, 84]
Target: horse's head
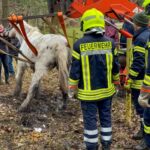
[12, 32]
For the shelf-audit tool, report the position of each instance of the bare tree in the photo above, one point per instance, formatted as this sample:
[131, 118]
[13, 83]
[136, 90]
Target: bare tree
[0, 10]
[50, 4]
[5, 11]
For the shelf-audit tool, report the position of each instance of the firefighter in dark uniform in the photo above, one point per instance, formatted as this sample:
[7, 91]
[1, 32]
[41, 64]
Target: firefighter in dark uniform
[137, 68]
[146, 5]
[144, 98]
[93, 70]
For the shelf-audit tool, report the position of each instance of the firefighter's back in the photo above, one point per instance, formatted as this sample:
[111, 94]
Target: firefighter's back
[96, 52]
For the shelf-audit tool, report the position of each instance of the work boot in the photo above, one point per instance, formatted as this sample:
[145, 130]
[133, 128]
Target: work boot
[96, 148]
[106, 146]
[7, 82]
[142, 146]
[139, 135]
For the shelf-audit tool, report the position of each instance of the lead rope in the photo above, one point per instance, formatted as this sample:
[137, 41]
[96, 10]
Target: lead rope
[62, 23]
[13, 19]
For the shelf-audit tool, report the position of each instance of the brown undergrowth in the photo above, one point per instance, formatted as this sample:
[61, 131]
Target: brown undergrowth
[59, 130]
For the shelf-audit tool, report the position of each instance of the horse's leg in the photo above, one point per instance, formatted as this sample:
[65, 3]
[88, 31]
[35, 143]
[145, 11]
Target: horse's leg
[62, 64]
[37, 91]
[65, 98]
[63, 82]
[33, 87]
[19, 77]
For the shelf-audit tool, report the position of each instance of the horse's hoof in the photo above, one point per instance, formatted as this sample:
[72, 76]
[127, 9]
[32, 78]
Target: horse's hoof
[37, 96]
[21, 109]
[16, 94]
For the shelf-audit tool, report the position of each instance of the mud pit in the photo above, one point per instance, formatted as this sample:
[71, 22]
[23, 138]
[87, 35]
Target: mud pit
[60, 130]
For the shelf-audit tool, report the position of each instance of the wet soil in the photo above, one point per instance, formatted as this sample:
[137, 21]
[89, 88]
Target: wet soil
[43, 127]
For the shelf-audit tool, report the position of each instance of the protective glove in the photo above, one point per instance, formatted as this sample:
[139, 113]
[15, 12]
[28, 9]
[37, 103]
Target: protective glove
[117, 85]
[72, 91]
[127, 85]
[144, 99]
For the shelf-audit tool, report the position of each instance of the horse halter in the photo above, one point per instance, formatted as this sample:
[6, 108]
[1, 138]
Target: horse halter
[7, 30]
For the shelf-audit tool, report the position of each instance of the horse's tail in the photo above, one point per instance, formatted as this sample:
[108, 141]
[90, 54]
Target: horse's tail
[63, 62]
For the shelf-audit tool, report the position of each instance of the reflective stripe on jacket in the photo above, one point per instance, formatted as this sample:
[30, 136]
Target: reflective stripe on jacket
[94, 67]
[137, 63]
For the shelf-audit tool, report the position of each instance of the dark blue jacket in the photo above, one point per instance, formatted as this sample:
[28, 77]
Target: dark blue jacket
[3, 45]
[94, 67]
[128, 27]
[14, 41]
[137, 63]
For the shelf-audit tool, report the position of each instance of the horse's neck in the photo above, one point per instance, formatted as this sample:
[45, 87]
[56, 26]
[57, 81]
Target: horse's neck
[28, 29]
[19, 37]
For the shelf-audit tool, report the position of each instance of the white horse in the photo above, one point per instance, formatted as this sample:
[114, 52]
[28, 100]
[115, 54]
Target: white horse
[52, 52]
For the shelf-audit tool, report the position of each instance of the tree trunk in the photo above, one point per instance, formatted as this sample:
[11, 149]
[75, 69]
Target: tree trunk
[50, 4]
[0, 10]
[5, 11]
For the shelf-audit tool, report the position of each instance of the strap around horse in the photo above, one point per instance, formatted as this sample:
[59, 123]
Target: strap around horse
[19, 19]
[61, 20]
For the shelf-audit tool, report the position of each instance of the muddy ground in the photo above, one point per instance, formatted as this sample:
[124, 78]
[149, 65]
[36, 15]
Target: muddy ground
[60, 130]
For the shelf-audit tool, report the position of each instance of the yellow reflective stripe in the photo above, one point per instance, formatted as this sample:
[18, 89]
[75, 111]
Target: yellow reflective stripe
[96, 52]
[102, 94]
[146, 58]
[133, 73]
[94, 92]
[147, 129]
[83, 61]
[131, 60]
[147, 79]
[139, 49]
[148, 44]
[110, 65]
[136, 84]
[109, 60]
[108, 70]
[116, 77]
[73, 82]
[120, 51]
[86, 72]
[115, 52]
[75, 54]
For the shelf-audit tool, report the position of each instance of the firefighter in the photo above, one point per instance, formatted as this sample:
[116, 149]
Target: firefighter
[122, 57]
[137, 68]
[94, 68]
[144, 98]
[146, 5]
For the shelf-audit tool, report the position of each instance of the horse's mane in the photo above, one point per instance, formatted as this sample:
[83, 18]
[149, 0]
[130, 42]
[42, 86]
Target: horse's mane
[28, 26]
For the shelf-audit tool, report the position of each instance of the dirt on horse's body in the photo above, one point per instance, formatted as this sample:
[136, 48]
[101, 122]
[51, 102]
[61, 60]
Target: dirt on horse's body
[52, 51]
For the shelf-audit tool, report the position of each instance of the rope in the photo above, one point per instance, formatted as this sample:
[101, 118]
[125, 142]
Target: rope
[33, 17]
[3, 52]
[19, 19]
[15, 49]
[61, 20]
